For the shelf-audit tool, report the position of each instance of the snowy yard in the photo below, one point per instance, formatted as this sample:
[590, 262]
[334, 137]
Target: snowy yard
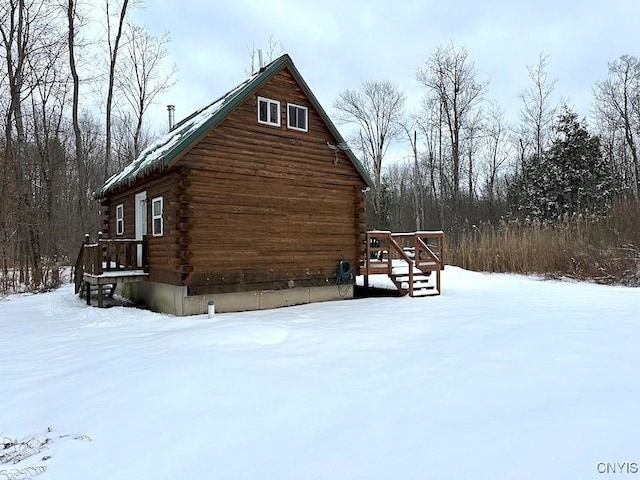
[501, 377]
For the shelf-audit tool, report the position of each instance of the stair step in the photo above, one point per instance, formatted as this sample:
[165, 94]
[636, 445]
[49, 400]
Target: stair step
[416, 286]
[423, 292]
[404, 270]
[416, 278]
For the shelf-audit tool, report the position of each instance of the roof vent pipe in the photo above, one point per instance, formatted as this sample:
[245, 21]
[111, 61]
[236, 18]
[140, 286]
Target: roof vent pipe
[171, 111]
[260, 62]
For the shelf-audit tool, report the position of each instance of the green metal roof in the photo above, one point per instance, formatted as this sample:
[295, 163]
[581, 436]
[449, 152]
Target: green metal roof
[189, 131]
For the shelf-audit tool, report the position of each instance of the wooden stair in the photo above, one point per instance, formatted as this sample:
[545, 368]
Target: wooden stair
[421, 285]
[394, 254]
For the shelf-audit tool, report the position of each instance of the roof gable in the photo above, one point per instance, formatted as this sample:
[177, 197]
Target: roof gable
[161, 153]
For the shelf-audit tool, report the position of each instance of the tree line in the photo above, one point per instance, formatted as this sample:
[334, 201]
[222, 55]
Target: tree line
[469, 165]
[77, 81]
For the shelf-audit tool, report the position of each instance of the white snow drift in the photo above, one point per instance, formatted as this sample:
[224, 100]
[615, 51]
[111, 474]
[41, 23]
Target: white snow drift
[501, 377]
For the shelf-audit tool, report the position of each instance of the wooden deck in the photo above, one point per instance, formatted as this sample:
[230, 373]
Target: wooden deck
[407, 258]
[108, 262]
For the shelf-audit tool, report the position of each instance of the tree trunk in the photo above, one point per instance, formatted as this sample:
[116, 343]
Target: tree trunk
[15, 76]
[79, 157]
[416, 183]
[113, 52]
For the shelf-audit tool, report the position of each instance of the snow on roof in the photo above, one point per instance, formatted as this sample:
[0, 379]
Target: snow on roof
[164, 150]
[158, 152]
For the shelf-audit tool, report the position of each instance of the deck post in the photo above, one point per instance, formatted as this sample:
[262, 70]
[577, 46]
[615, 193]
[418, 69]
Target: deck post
[145, 254]
[100, 302]
[411, 279]
[367, 254]
[88, 287]
[101, 253]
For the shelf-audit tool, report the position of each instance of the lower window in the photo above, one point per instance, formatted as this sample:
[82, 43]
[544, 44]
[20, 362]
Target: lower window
[157, 224]
[120, 219]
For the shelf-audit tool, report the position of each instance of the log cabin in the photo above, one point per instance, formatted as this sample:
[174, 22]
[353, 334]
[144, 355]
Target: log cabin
[251, 202]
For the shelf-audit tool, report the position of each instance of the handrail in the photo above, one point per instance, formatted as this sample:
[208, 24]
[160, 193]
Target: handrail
[108, 255]
[378, 244]
[405, 257]
[78, 269]
[421, 246]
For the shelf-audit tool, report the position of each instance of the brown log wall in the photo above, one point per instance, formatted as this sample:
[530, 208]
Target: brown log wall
[271, 207]
[168, 259]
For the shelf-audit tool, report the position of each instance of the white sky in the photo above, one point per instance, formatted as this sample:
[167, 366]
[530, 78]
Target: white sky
[336, 44]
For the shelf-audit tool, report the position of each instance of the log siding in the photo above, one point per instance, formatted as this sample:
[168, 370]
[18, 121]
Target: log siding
[167, 257]
[273, 207]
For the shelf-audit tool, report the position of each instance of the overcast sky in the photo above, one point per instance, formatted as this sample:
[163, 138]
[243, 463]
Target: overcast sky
[336, 44]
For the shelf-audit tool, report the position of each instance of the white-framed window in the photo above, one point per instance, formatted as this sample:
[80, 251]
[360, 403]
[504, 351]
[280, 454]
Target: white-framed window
[157, 223]
[120, 219]
[297, 117]
[268, 111]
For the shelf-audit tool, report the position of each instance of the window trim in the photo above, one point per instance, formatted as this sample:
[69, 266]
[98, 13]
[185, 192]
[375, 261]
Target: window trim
[306, 117]
[155, 217]
[269, 101]
[120, 219]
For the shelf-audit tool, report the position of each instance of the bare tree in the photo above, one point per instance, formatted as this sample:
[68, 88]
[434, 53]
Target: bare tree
[473, 130]
[614, 146]
[450, 76]
[113, 43]
[497, 154]
[409, 128]
[431, 125]
[375, 108]
[537, 112]
[142, 76]
[27, 35]
[617, 100]
[73, 15]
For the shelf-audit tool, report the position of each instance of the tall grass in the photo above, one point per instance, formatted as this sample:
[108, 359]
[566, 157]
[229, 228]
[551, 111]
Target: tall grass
[600, 248]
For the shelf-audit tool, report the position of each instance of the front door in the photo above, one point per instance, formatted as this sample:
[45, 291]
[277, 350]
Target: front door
[141, 221]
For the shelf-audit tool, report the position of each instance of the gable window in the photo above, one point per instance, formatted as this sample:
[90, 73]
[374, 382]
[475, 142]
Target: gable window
[268, 111]
[157, 224]
[120, 219]
[297, 117]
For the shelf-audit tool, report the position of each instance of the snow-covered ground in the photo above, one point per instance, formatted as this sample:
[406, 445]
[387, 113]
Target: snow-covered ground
[501, 377]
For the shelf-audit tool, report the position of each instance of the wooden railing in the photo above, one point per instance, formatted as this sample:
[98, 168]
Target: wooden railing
[109, 262]
[111, 255]
[422, 250]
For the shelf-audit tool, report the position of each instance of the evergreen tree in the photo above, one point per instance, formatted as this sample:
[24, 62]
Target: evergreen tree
[571, 177]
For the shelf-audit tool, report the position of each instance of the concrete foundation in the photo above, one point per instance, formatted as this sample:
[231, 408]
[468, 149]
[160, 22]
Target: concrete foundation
[161, 297]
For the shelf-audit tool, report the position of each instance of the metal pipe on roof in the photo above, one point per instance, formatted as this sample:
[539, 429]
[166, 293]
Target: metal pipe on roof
[171, 111]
